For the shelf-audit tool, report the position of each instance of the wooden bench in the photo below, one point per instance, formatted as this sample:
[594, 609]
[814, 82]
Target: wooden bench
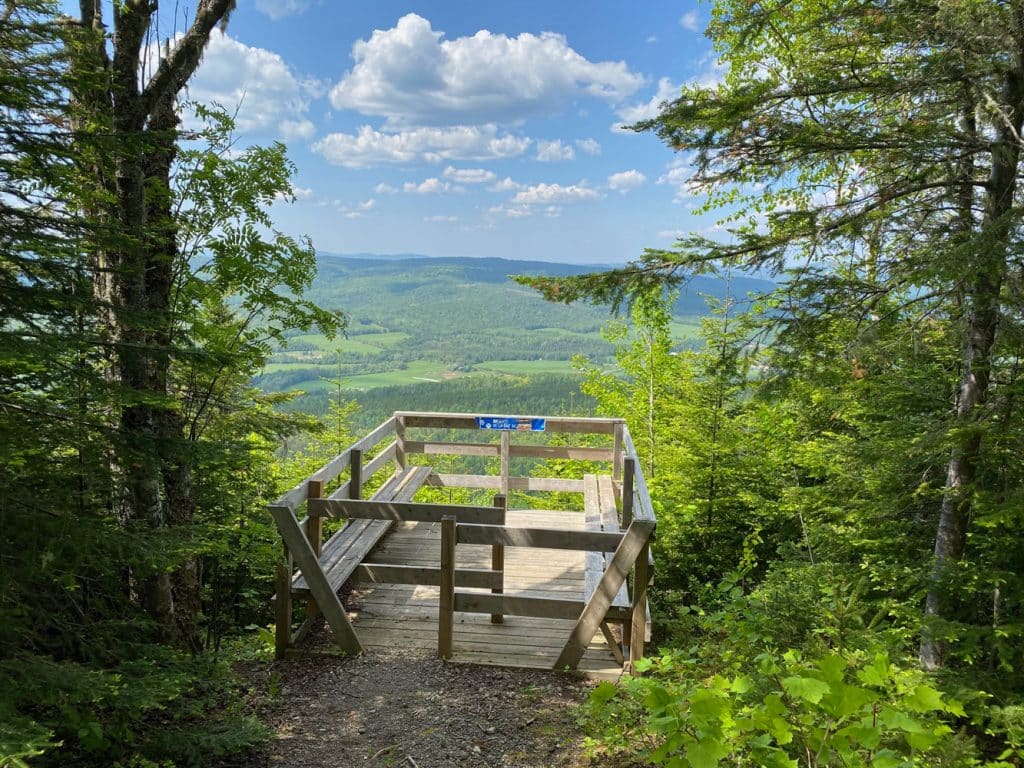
[345, 551]
[601, 514]
[347, 548]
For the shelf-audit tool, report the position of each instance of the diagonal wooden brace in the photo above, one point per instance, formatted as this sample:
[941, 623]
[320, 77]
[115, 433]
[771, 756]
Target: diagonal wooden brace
[306, 560]
[629, 549]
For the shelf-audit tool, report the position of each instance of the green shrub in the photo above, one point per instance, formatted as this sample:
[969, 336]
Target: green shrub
[851, 709]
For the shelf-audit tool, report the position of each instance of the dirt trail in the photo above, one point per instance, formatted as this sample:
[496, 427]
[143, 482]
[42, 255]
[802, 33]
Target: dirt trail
[411, 710]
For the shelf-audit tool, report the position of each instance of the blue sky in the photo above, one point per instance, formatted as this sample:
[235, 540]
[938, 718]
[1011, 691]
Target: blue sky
[467, 129]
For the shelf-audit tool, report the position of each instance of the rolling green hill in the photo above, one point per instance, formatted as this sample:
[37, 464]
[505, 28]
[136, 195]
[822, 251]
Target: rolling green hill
[422, 320]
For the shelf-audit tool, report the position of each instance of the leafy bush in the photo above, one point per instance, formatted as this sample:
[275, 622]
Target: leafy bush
[851, 709]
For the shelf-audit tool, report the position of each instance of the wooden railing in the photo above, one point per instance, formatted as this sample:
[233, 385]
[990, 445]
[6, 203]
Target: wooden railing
[303, 539]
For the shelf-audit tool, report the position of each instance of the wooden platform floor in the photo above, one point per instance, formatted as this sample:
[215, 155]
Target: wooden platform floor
[389, 616]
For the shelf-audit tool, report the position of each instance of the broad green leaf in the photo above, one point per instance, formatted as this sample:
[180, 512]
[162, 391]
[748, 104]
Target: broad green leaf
[805, 688]
[706, 753]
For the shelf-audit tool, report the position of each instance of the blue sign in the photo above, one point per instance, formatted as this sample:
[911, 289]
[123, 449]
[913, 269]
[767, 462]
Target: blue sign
[517, 423]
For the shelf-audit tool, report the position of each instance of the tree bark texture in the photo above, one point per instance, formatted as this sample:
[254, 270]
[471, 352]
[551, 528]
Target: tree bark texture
[134, 265]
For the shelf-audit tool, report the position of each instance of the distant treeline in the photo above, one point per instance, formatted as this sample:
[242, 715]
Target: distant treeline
[548, 394]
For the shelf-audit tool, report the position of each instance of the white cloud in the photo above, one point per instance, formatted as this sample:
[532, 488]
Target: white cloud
[385, 189]
[431, 186]
[555, 193]
[292, 130]
[554, 151]
[671, 234]
[278, 9]
[690, 20]
[679, 174]
[511, 211]
[412, 76]
[469, 175]
[268, 95]
[370, 147]
[441, 219]
[552, 211]
[367, 204]
[626, 180]
[353, 214]
[506, 185]
[297, 193]
[589, 146]
[652, 39]
[634, 113]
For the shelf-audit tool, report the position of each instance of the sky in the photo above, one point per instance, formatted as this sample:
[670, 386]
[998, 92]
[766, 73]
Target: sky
[467, 128]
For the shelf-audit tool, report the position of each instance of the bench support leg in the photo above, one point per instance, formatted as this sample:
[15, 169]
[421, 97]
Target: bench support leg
[626, 554]
[641, 578]
[283, 611]
[324, 595]
[613, 644]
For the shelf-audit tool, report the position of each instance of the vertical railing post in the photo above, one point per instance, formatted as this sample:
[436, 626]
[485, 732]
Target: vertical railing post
[446, 601]
[617, 453]
[506, 443]
[628, 472]
[400, 442]
[498, 557]
[638, 630]
[314, 534]
[283, 606]
[355, 478]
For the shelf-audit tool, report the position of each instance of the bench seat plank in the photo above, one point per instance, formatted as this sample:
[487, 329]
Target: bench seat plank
[347, 548]
[601, 515]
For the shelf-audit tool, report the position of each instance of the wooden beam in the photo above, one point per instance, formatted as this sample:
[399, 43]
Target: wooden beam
[446, 600]
[518, 605]
[355, 478]
[594, 426]
[546, 538]
[493, 482]
[561, 452]
[405, 510]
[613, 644]
[467, 578]
[638, 631]
[378, 434]
[452, 449]
[617, 453]
[325, 597]
[498, 556]
[315, 525]
[643, 509]
[399, 441]
[628, 470]
[315, 535]
[597, 609]
[282, 610]
[506, 444]
[373, 466]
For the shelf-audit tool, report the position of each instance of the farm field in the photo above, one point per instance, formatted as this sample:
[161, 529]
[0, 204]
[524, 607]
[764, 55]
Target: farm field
[434, 321]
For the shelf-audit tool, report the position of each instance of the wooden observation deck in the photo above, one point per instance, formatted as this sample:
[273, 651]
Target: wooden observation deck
[527, 570]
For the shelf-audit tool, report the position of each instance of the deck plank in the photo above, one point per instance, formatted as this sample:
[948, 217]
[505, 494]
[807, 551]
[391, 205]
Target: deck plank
[390, 615]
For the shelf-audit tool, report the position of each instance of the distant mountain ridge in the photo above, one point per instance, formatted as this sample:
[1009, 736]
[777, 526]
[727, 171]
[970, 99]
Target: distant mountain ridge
[493, 270]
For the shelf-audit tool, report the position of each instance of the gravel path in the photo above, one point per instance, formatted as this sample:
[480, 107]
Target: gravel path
[409, 710]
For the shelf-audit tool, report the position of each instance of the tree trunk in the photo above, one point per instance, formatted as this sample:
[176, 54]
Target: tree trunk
[134, 265]
[983, 302]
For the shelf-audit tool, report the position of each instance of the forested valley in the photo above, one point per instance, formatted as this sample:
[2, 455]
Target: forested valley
[833, 444]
